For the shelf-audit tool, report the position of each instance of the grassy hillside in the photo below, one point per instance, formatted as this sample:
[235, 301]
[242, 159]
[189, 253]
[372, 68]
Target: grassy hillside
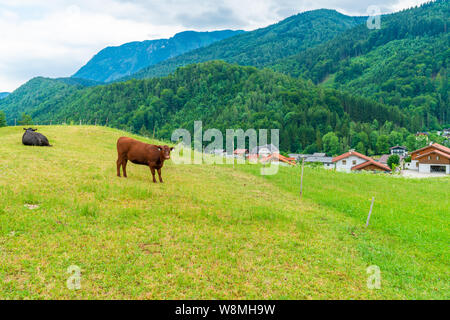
[209, 231]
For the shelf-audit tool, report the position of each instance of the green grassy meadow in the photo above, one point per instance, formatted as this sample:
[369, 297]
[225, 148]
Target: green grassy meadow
[210, 231]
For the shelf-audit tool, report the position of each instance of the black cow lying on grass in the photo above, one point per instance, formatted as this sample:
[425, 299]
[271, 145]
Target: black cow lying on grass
[33, 138]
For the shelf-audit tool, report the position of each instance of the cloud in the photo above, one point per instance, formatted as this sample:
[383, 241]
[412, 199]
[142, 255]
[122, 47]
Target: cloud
[220, 17]
[54, 38]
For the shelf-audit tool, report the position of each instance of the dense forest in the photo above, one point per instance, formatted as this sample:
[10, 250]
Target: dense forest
[405, 63]
[264, 46]
[37, 93]
[223, 96]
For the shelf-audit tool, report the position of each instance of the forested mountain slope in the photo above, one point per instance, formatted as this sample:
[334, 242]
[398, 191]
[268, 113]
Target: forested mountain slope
[112, 63]
[405, 63]
[228, 96]
[264, 46]
[40, 95]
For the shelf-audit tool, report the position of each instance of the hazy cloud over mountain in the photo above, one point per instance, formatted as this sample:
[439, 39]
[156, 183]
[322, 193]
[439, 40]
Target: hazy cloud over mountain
[56, 37]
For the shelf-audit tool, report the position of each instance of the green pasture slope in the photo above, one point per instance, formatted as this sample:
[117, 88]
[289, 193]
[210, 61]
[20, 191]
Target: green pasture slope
[210, 231]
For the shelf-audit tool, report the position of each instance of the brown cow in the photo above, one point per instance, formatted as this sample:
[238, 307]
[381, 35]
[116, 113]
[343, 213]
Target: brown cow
[141, 153]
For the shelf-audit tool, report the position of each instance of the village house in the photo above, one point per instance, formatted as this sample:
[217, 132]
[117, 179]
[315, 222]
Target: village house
[314, 158]
[401, 151]
[280, 158]
[433, 158]
[321, 158]
[219, 152]
[345, 162]
[384, 158]
[241, 153]
[265, 150]
[420, 136]
[354, 161]
[446, 133]
[299, 156]
[372, 165]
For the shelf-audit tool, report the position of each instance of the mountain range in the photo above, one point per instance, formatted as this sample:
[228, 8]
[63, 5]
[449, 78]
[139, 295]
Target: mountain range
[264, 46]
[113, 63]
[321, 77]
[4, 95]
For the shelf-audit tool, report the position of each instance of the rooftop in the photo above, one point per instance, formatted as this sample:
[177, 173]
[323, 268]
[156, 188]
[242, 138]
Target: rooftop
[438, 146]
[371, 162]
[352, 153]
[319, 159]
[399, 147]
[445, 155]
[269, 147]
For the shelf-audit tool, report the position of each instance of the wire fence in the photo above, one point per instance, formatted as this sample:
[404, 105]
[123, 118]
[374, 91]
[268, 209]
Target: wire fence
[89, 122]
[81, 122]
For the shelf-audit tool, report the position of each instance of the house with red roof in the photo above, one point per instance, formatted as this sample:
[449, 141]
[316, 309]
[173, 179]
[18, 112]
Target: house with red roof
[355, 161]
[241, 152]
[372, 165]
[430, 159]
[279, 158]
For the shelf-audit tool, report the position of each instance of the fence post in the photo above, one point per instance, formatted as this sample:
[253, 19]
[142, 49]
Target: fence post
[232, 155]
[301, 179]
[370, 212]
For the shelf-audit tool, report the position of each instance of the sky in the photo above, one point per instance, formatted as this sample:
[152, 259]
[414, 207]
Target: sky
[54, 38]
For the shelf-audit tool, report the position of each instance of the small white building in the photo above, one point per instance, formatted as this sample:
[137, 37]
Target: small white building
[264, 151]
[345, 162]
[322, 158]
[446, 133]
[219, 152]
[401, 151]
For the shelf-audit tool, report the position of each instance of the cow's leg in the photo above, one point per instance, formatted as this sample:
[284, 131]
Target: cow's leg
[124, 167]
[119, 163]
[159, 174]
[153, 174]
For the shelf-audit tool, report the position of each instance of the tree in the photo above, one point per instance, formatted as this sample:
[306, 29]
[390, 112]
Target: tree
[330, 143]
[360, 148]
[395, 138]
[393, 160]
[311, 148]
[25, 120]
[383, 144]
[2, 119]
[411, 142]
[373, 138]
